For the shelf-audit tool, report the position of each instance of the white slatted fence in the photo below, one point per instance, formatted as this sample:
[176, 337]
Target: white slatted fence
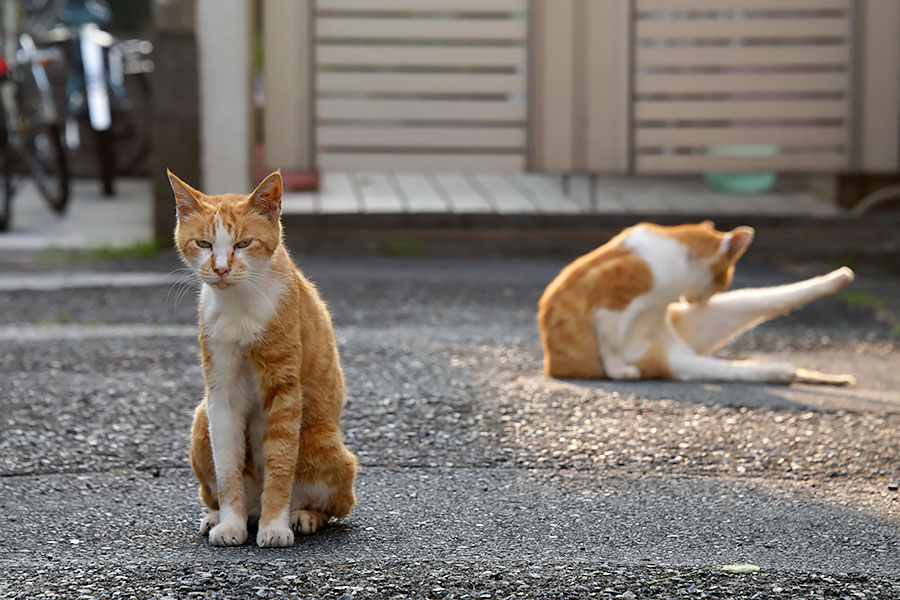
[421, 84]
[735, 85]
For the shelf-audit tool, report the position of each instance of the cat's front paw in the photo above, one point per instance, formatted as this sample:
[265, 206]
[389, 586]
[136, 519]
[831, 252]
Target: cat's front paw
[307, 521]
[209, 521]
[228, 534]
[274, 536]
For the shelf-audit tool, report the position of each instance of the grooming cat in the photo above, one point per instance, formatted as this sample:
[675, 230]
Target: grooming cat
[265, 442]
[649, 304]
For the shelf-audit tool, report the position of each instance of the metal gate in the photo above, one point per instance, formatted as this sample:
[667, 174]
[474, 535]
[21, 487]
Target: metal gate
[723, 85]
[421, 84]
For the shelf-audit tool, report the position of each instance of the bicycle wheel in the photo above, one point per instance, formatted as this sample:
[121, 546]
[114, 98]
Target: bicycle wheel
[131, 127]
[40, 145]
[6, 200]
[126, 144]
[7, 163]
[44, 154]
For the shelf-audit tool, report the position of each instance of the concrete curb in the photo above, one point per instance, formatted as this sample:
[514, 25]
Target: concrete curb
[527, 234]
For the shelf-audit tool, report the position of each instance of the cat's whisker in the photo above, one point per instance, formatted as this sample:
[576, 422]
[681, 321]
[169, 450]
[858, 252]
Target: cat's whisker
[181, 287]
[251, 281]
[184, 291]
[176, 286]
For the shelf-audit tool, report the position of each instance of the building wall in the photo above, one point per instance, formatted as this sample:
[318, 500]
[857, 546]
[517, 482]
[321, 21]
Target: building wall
[580, 90]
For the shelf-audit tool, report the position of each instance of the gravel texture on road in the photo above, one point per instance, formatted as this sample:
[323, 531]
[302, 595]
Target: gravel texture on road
[480, 477]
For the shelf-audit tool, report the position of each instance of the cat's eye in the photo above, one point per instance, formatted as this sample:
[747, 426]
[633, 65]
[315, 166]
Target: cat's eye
[203, 243]
[243, 244]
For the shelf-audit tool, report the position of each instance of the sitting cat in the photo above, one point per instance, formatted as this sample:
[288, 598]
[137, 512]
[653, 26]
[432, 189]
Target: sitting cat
[265, 442]
[647, 304]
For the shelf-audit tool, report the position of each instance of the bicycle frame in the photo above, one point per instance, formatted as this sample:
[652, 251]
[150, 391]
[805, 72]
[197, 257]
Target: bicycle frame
[30, 54]
[92, 41]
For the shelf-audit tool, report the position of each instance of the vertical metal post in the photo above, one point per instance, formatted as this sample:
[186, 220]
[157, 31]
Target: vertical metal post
[10, 30]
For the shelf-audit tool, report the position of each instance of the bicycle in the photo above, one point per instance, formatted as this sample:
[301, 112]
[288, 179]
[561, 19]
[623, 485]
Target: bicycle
[30, 129]
[107, 87]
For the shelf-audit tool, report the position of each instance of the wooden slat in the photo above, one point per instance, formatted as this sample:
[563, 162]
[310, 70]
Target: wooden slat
[435, 162]
[702, 136]
[368, 55]
[546, 192]
[336, 194]
[378, 195]
[421, 194]
[751, 28]
[480, 6]
[506, 197]
[659, 83]
[634, 196]
[463, 197]
[709, 163]
[699, 5]
[443, 110]
[421, 137]
[735, 56]
[420, 82]
[445, 29]
[740, 109]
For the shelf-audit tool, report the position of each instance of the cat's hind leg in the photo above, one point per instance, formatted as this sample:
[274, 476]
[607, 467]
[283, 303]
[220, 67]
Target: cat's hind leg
[209, 521]
[708, 326]
[610, 345]
[686, 365]
[323, 482]
[204, 468]
[308, 521]
[570, 344]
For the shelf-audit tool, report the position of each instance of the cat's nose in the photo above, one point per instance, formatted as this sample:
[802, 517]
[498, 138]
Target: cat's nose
[221, 270]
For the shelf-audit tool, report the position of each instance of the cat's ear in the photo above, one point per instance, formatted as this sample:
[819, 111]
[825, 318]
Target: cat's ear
[187, 199]
[266, 198]
[708, 224]
[737, 241]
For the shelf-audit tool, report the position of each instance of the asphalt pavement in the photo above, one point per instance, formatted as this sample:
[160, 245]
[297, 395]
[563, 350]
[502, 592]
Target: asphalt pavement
[479, 477]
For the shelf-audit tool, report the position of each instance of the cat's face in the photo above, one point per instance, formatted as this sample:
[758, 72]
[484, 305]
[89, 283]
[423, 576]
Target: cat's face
[712, 256]
[721, 251]
[228, 239]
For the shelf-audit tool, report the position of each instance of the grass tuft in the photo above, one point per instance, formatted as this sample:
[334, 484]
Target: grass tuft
[864, 299]
[404, 248]
[140, 249]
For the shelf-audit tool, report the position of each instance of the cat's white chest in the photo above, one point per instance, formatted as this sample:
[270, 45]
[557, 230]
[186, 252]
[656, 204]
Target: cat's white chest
[239, 316]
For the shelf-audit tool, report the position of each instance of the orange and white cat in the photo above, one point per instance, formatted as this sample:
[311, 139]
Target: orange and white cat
[649, 304]
[265, 442]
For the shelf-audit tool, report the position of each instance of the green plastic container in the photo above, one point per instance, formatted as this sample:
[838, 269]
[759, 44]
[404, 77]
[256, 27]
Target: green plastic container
[752, 182]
